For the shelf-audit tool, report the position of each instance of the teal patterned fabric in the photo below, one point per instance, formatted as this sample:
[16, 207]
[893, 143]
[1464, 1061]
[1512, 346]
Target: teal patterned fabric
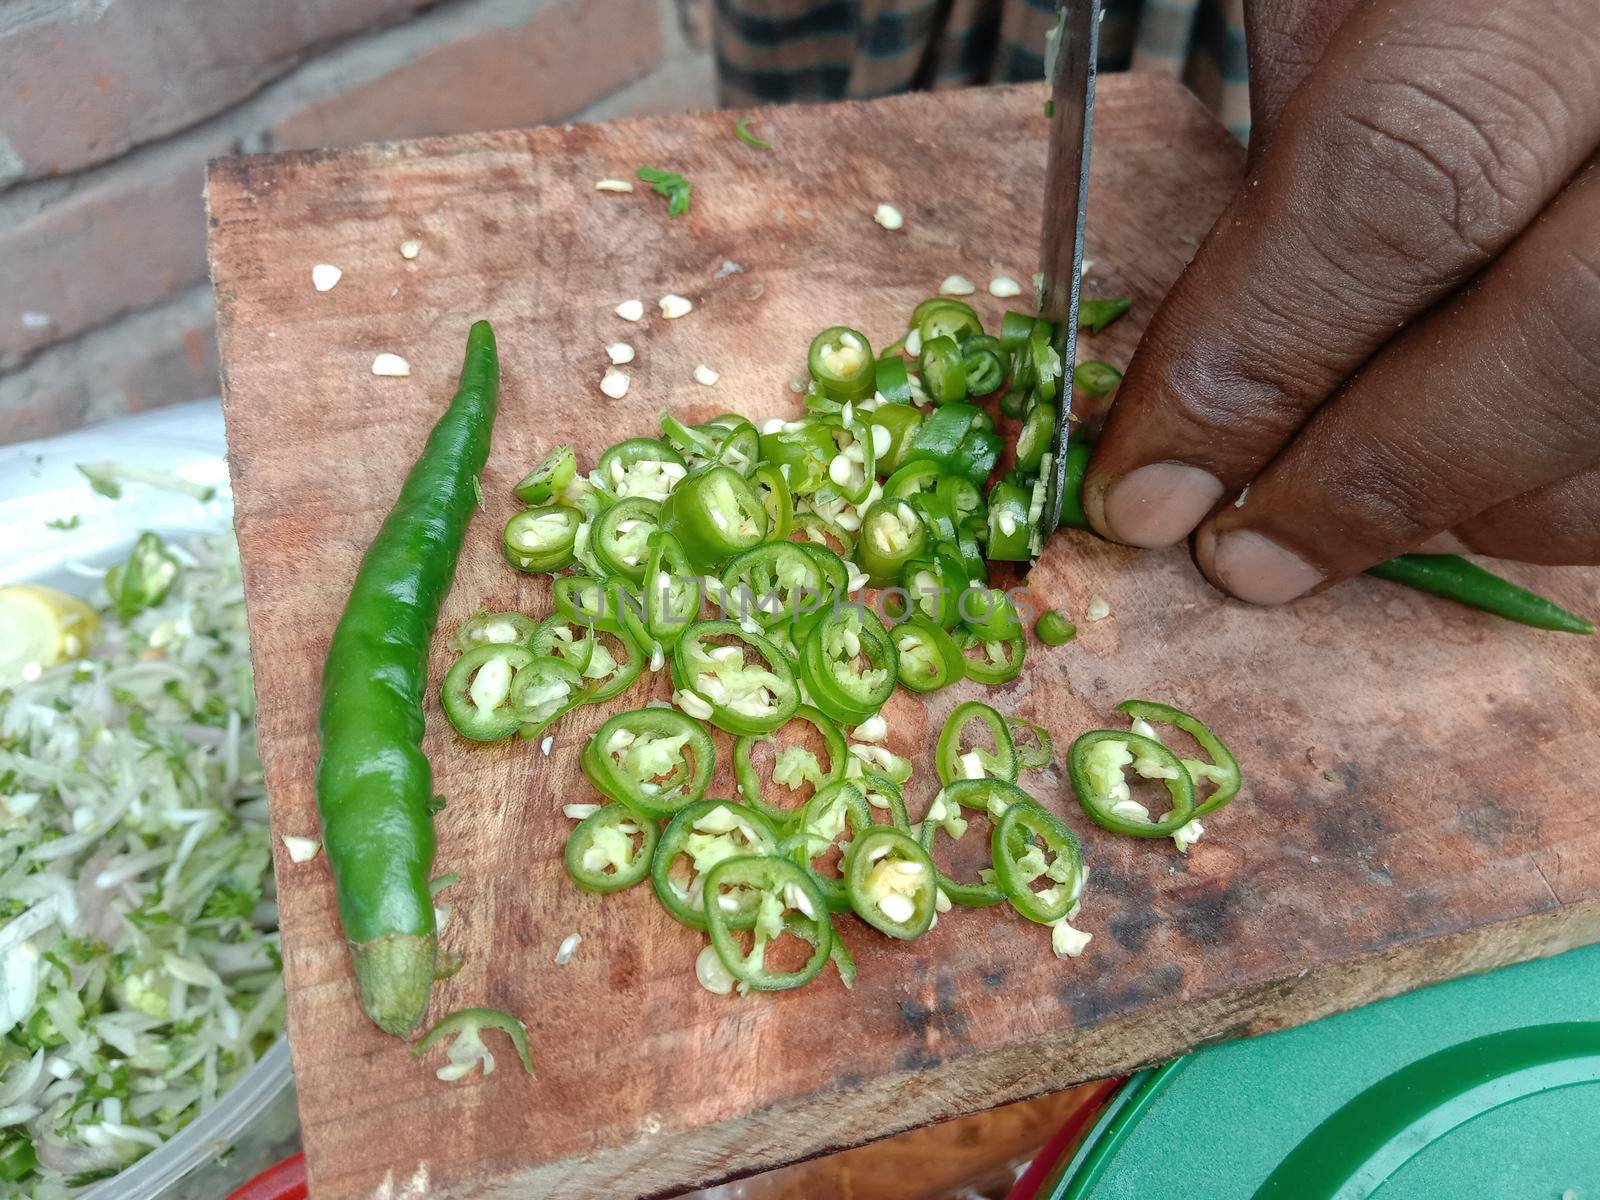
[778, 51]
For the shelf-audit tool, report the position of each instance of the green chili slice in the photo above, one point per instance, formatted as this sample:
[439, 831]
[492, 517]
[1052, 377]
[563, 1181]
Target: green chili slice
[541, 539]
[794, 766]
[1019, 860]
[495, 628]
[549, 479]
[1223, 769]
[653, 761]
[556, 636]
[643, 467]
[769, 584]
[705, 833]
[672, 591]
[1098, 379]
[841, 361]
[891, 882]
[545, 688]
[884, 794]
[892, 380]
[943, 316]
[608, 676]
[467, 1023]
[994, 662]
[1038, 432]
[899, 423]
[985, 370]
[1035, 747]
[1053, 629]
[944, 817]
[601, 853]
[734, 695]
[1097, 314]
[1072, 514]
[978, 763]
[928, 658]
[714, 513]
[849, 663]
[778, 883]
[773, 489]
[1015, 329]
[892, 534]
[476, 692]
[838, 808]
[741, 130]
[944, 373]
[1008, 523]
[621, 537]
[1095, 765]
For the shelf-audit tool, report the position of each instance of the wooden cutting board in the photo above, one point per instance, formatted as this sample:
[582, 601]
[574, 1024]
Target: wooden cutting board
[1420, 785]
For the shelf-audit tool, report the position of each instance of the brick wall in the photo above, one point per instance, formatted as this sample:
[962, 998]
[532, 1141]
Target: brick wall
[109, 110]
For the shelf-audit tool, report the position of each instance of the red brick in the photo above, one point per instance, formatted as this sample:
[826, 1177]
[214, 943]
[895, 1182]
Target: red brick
[162, 356]
[561, 58]
[88, 79]
[127, 237]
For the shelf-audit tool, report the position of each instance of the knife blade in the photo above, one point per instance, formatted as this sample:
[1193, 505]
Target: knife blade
[1066, 200]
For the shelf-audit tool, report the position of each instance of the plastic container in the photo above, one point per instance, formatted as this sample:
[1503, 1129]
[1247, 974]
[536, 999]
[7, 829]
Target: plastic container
[1478, 1089]
[255, 1123]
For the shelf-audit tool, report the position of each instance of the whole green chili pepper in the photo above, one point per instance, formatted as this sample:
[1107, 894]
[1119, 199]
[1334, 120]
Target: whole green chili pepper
[1454, 578]
[374, 785]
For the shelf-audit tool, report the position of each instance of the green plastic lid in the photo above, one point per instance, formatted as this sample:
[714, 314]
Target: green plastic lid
[1479, 1089]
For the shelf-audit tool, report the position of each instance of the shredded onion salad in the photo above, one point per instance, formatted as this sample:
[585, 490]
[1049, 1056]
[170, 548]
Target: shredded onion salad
[139, 968]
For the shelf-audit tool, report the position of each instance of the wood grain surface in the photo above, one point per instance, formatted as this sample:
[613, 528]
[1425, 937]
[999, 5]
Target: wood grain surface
[1420, 780]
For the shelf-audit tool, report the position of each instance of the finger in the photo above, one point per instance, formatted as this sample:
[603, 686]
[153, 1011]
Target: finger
[1558, 524]
[1375, 198]
[1495, 392]
[1284, 39]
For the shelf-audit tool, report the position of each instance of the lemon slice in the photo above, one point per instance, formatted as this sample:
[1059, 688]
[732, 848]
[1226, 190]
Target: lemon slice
[40, 627]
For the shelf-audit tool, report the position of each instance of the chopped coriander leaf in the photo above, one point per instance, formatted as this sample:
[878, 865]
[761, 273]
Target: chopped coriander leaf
[669, 184]
[741, 130]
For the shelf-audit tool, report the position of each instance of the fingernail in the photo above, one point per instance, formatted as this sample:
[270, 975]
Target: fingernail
[1159, 504]
[1444, 543]
[1259, 571]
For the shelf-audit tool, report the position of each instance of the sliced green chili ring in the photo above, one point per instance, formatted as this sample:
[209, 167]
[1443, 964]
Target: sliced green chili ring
[949, 319]
[1095, 764]
[977, 455]
[768, 584]
[697, 830]
[738, 446]
[476, 692]
[985, 370]
[672, 591]
[495, 629]
[1222, 770]
[843, 961]
[714, 513]
[1096, 378]
[776, 497]
[472, 1021]
[1014, 866]
[940, 435]
[1014, 403]
[998, 662]
[750, 781]
[860, 473]
[1038, 432]
[952, 763]
[964, 497]
[928, 658]
[891, 380]
[600, 840]
[689, 439]
[1053, 629]
[841, 361]
[1046, 361]
[817, 529]
[801, 451]
[990, 614]
[886, 865]
[1097, 314]
[545, 688]
[1008, 523]
[934, 303]
[587, 601]
[652, 760]
[933, 585]
[900, 422]
[838, 808]
[1072, 514]
[971, 535]
[774, 879]
[549, 478]
[944, 374]
[1015, 329]
[604, 685]
[909, 479]
[555, 636]
[892, 534]
[835, 571]
[541, 539]
[827, 660]
[969, 895]
[1035, 748]
[621, 536]
[938, 514]
[657, 464]
[881, 792]
[771, 694]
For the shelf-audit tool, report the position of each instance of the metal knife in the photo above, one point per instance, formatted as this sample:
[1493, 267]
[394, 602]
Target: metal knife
[1066, 198]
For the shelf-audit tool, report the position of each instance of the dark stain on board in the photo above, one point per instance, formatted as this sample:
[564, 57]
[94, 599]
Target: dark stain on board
[1132, 930]
[1089, 1007]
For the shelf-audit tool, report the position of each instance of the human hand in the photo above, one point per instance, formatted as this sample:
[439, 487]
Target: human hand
[1390, 340]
